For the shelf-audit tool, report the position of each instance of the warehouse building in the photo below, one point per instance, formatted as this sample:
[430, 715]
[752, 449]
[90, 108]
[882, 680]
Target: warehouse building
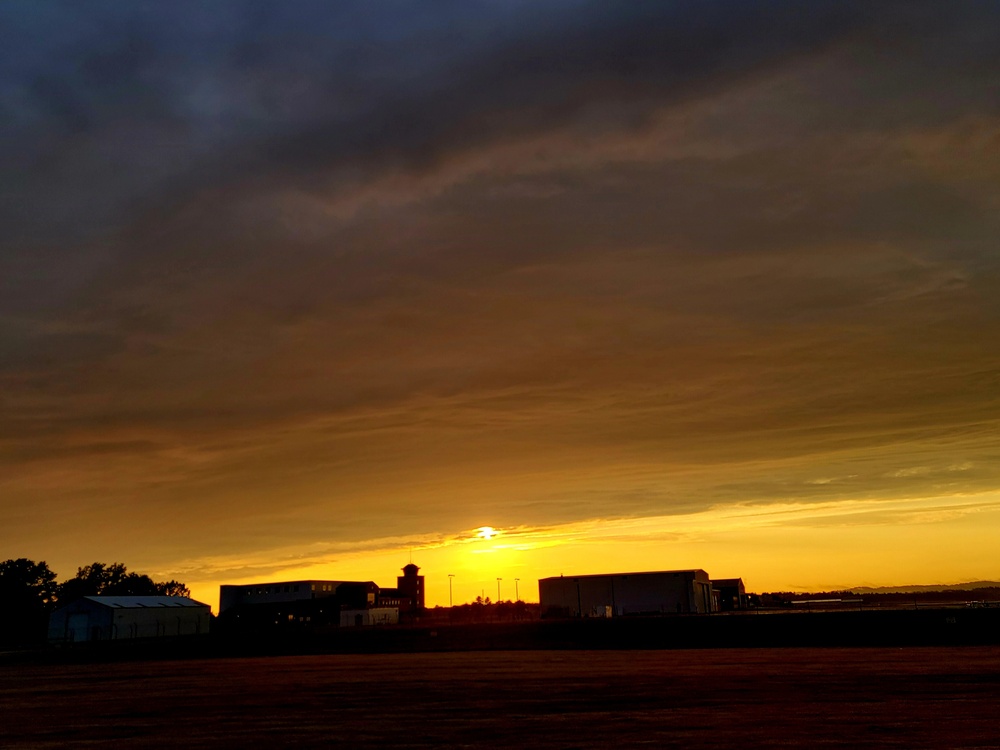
[617, 594]
[113, 618]
[730, 593]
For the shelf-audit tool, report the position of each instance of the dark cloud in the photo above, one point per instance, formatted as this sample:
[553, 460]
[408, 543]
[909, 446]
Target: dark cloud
[403, 265]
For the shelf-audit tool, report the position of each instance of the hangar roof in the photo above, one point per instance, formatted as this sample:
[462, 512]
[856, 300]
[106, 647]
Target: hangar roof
[696, 572]
[135, 602]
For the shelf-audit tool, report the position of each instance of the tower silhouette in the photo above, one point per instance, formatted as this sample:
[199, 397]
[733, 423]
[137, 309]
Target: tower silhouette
[411, 585]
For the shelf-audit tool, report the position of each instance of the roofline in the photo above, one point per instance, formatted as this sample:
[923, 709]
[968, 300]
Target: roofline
[620, 575]
[288, 583]
[182, 602]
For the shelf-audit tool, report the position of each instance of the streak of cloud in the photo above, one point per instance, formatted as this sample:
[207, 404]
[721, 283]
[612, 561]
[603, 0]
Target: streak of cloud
[275, 274]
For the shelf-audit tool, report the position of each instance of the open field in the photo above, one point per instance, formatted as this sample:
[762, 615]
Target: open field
[901, 697]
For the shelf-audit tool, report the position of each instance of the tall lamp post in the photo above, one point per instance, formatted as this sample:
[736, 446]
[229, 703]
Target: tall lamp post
[451, 601]
[498, 589]
[517, 595]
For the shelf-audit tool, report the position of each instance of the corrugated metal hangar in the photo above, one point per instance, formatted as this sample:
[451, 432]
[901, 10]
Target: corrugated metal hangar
[616, 594]
[110, 618]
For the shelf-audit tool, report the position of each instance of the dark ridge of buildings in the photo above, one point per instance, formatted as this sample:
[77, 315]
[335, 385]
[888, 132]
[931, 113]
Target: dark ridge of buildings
[256, 606]
[308, 604]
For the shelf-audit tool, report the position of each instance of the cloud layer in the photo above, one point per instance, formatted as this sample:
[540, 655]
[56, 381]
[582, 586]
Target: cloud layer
[285, 273]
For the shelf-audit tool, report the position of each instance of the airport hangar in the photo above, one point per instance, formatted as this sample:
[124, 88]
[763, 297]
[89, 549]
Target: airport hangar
[730, 594]
[115, 618]
[617, 594]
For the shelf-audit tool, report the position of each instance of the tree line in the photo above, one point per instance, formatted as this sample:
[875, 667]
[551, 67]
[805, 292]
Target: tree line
[484, 610]
[29, 592]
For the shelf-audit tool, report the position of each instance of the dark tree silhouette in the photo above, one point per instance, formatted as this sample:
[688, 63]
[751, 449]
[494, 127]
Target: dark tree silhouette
[93, 580]
[172, 588]
[99, 579]
[27, 590]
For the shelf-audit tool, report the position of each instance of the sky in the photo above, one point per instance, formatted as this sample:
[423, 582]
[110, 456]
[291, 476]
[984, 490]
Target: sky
[309, 290]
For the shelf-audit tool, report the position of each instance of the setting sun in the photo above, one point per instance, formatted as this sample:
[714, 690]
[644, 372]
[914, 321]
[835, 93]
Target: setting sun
[486, 532]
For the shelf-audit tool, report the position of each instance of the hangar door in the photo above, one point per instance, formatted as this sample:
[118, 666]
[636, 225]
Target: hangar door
[76, 627]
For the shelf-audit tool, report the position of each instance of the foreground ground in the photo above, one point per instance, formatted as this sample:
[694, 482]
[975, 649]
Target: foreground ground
[908, 698]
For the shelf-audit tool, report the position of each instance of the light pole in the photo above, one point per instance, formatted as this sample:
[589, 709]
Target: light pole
[517, 595]
[498, 589]
[451, 601]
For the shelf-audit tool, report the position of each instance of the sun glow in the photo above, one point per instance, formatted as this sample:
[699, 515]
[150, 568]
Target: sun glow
[889, 541]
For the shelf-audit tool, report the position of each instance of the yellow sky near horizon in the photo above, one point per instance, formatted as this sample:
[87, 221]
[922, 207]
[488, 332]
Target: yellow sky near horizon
[781, 547]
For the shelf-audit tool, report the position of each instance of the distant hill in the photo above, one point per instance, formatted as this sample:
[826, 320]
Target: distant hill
[972, 585]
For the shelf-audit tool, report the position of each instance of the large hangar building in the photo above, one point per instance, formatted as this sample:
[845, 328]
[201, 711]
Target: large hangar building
[617, 594]
[117, 618]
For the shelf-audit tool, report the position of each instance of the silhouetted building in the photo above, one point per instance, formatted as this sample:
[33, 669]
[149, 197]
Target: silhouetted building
[616, 594]
[357, 594]
[113, 618]
[263, 606]
[730, 593]
[409, 592]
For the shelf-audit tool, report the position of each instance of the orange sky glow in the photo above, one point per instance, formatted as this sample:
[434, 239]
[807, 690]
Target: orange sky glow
[835, 545]
[637, 286]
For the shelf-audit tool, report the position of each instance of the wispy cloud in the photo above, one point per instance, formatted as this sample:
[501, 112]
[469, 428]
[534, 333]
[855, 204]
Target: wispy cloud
[274, 276]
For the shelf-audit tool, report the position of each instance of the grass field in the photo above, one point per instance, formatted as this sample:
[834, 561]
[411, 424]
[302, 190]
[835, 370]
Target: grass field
[907, 698]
